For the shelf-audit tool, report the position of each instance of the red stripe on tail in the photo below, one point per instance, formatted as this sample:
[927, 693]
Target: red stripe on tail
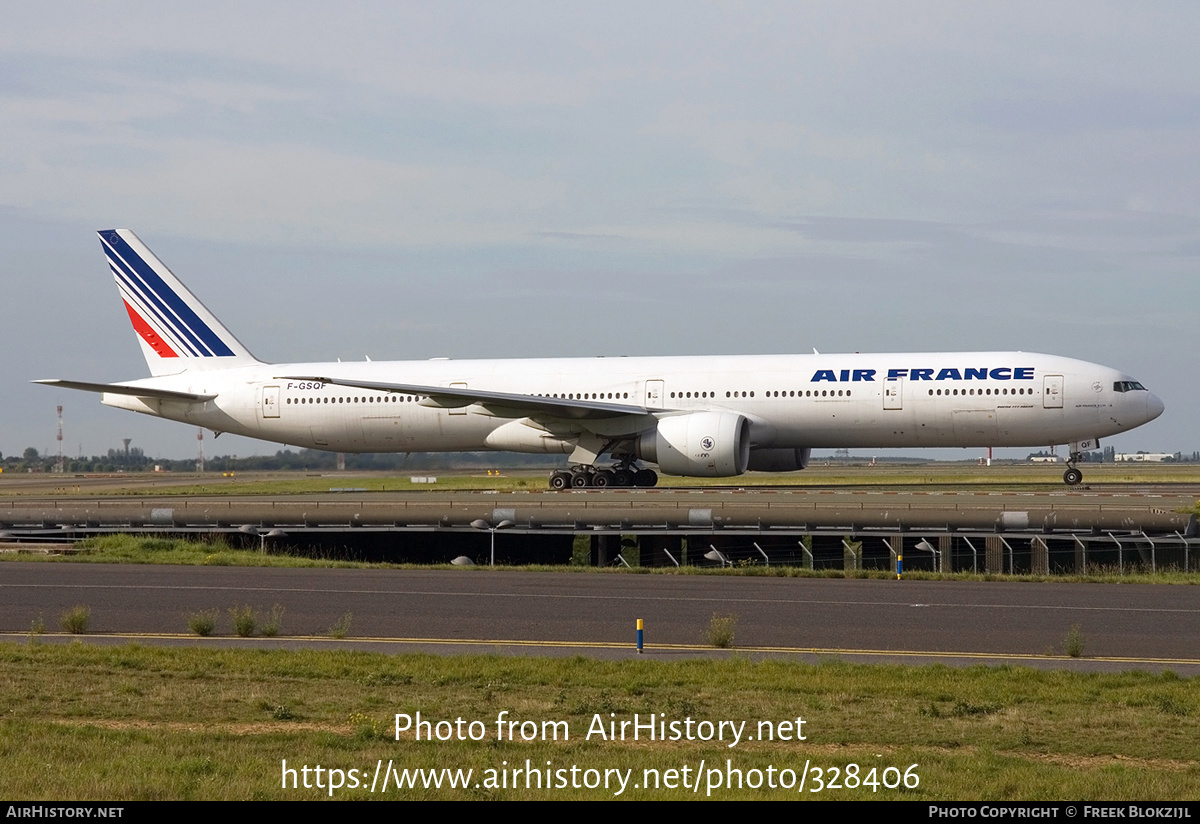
[149, 335]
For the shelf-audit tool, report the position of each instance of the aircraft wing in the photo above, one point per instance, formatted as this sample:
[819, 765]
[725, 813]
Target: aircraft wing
[123, 389]
[503, 404]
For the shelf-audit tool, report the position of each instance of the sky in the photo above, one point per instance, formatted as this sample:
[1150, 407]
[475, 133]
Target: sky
[413, 180]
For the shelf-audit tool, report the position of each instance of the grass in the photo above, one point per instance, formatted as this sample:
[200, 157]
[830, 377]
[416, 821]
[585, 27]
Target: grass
[244, 620]
[203, 623]
[76, 620]
[131, 722]
[137, 549]
[834, 474]
[1073, 643]
[720, 630]
[341, 626]
[270, 627]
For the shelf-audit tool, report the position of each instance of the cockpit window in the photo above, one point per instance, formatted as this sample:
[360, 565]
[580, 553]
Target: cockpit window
[1128, 386]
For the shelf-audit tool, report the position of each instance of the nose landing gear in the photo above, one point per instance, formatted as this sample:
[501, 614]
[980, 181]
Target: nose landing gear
[1073, 476]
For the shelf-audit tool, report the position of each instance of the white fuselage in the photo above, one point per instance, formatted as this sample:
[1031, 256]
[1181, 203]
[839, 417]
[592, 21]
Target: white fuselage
[692, 416]
[833, 401]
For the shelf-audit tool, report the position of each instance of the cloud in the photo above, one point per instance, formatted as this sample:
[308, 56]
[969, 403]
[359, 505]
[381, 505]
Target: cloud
[732, 177]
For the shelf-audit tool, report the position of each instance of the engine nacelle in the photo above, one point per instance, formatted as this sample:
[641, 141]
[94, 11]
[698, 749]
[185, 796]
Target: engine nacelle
[779, 460]
[701, 444]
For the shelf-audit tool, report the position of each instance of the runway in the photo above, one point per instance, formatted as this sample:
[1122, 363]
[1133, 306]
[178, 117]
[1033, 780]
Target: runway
[1123, 626]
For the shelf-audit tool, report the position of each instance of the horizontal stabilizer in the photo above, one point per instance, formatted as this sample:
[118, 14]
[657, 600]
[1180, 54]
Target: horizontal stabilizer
[123, 389]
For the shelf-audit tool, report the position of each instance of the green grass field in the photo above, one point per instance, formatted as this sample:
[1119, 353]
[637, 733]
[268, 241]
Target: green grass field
[926, 475]
[126, 723]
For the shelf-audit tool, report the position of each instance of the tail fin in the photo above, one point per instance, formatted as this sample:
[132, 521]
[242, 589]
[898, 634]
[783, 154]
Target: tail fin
[176, 330]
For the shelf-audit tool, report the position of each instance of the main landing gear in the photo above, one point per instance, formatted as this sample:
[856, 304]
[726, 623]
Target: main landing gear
[621, 475]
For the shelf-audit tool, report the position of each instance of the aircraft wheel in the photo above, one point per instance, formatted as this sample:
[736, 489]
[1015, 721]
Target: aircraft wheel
[1072, 477]
[645, 477]
[579, 480]
[560, 480]
[603, 478]
[622, 477]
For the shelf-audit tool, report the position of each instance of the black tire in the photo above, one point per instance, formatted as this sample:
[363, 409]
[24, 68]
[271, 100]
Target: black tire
[560, 480]
[581, 480]
[622, 477]
[645, 477]
[1072, 477]
[603, 478]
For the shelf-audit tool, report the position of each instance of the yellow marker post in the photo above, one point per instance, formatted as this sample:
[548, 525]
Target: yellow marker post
[639, 636]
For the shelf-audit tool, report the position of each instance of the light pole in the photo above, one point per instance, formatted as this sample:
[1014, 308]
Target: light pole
[925, 546]
[261, 534]
[480, 523]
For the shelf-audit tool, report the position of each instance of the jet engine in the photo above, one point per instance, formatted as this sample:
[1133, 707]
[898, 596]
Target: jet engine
[779, 460]
[700, 444]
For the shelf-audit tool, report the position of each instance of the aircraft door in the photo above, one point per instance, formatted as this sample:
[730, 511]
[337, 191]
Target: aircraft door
[270, 402]
[654, 394]
[1052, 392]
[893, 393]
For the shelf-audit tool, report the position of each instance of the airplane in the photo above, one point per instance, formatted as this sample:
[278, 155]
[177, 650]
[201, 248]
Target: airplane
[703, 417]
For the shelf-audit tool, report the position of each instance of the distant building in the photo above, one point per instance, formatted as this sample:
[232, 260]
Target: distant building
[1144, 457]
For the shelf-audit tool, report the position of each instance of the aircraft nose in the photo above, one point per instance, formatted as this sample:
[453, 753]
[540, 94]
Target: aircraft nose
[1154, 407]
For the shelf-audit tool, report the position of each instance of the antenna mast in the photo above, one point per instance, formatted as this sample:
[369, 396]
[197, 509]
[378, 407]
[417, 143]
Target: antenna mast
[59, 466]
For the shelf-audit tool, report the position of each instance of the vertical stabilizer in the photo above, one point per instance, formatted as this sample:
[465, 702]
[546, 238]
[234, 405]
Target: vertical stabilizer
[176, 331]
